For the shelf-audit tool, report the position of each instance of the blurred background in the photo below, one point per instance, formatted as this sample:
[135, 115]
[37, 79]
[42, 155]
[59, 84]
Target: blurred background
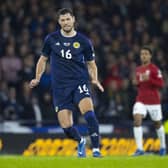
[117, 28]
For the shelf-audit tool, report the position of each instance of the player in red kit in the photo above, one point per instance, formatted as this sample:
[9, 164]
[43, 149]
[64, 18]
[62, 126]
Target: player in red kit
[148, 80]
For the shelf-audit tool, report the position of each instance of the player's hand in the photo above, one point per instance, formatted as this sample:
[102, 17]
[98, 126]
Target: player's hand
[98, 84]
[145, 77]
[34, 83]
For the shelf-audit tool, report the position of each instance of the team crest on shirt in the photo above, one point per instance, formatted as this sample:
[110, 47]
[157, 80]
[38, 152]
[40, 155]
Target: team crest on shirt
[76, 44]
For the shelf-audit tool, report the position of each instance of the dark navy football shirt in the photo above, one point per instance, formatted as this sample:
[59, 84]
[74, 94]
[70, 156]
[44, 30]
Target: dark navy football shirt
[68, 56]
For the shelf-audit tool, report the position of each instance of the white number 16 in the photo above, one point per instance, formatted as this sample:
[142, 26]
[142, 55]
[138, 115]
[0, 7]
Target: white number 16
[66, 54]
[83, 88]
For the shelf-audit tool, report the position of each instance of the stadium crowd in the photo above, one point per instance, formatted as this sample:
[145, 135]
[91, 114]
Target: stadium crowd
[117, 29]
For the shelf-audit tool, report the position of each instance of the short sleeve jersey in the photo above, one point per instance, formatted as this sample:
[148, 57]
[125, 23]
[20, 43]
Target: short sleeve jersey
[68, 57]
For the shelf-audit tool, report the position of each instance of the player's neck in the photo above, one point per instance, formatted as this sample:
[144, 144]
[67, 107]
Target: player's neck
[146, 63]
[72, 33]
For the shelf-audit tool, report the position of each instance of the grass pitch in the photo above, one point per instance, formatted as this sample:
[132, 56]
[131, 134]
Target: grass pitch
[89, 162]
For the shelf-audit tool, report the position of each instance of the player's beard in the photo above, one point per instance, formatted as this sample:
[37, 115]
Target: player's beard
[68, 30]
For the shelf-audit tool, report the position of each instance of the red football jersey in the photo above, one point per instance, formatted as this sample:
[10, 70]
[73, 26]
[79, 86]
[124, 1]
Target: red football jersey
[148, 91]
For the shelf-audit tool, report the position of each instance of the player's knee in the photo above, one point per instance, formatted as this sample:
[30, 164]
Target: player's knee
[137, 122]
[65, 123]
[157, 124]
[65, 118]
[85, 110]
[85, 105]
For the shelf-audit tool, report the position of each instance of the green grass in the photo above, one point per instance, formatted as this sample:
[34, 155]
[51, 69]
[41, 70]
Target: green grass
[89, 162]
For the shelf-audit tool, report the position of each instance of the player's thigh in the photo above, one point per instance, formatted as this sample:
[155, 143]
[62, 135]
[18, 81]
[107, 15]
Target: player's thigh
[139, 109]
[83, 98]
[65, 118]
[155, 112]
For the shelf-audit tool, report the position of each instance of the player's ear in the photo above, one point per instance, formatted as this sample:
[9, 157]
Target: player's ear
[59, 21]
[73, 18]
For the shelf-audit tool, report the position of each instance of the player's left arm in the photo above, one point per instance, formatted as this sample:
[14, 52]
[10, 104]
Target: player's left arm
[92, 69]
[156, 78]
[89, 57]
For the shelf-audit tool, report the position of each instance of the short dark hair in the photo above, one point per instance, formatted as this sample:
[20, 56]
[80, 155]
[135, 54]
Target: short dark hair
[64, 11]
[147, 48]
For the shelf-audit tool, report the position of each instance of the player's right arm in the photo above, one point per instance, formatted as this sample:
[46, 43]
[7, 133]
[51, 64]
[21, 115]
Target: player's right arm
[40, 68]
[135, 78]
[41, 64]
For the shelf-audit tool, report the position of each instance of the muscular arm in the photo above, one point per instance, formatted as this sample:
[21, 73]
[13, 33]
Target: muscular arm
[40, 68]
[92, 69]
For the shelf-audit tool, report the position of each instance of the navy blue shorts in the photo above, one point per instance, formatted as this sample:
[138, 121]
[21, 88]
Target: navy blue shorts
[69, 97]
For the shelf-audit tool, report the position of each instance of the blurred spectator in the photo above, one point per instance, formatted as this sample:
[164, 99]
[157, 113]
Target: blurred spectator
[26, 102]
[37, 111]
[47, 109]
[10, 66]
[28, 71]
[12, 107]
[3, 97]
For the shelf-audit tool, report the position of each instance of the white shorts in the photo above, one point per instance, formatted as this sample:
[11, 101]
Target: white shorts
[154, 111]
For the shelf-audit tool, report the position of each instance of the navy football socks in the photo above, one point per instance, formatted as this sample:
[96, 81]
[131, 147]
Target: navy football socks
[93, 128]
[72, 133]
